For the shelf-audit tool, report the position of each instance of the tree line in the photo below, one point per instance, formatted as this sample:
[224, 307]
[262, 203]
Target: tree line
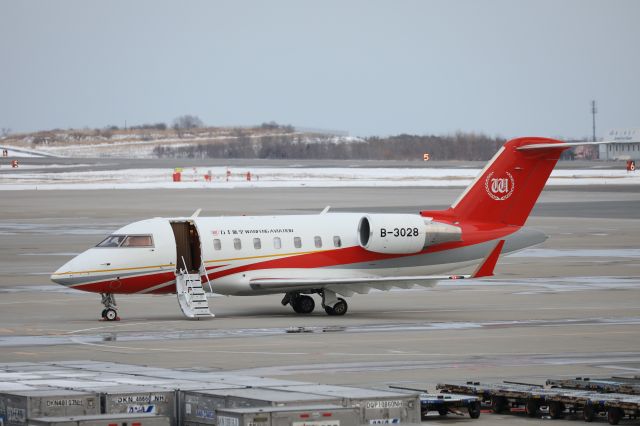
[461, 146]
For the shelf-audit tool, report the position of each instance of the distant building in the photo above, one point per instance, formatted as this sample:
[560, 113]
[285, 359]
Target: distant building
[621, 144]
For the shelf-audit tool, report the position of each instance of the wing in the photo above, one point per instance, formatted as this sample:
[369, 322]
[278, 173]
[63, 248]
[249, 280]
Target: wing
[349, 286]
[363, 285]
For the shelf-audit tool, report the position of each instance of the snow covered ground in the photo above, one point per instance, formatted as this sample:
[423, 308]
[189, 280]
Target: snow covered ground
[17, 152]
[45, 178]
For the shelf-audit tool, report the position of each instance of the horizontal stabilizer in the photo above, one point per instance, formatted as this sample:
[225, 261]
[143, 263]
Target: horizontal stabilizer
[563, 145]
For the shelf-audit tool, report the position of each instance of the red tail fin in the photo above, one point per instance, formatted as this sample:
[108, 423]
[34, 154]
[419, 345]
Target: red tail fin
[508, 187]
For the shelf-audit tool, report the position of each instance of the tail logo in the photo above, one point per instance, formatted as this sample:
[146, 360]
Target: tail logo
[499, 188]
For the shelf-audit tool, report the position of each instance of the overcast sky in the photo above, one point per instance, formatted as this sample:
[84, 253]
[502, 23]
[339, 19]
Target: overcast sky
[508, 68]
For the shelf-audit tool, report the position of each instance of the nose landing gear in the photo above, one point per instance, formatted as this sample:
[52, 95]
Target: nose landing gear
[110, 311]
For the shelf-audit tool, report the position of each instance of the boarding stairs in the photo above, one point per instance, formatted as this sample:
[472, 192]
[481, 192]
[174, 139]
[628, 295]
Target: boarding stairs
[191, 296]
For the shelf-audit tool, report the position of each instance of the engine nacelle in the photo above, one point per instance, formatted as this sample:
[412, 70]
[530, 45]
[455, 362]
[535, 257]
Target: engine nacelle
[403, 233]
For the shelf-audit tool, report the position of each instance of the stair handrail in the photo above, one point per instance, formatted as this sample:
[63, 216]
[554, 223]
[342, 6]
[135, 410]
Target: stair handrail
[184, 262]
[204, 272]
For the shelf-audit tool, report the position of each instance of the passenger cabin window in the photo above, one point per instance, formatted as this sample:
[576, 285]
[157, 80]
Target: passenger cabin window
[336, 241]
[318, 241]
[277, 243]
[297, 242]
[257, 244]
[237, 244]
[217, 245]
[127, 241]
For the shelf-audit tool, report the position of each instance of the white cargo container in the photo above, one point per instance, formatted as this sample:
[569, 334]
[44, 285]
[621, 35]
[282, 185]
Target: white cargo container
[376, 406]
[199, 407]
[313, 415]
[18, 407]
[103, 420]
[138, 400]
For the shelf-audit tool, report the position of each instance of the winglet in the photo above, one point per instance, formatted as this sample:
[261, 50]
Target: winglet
[195, 214]
[485, 269]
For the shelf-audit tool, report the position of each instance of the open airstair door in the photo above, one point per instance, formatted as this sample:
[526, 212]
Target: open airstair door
[187, 247]
[192, 298]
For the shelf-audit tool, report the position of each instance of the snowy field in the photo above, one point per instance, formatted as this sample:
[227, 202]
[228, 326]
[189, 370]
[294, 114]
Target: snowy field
[46, 178]
[16, 152]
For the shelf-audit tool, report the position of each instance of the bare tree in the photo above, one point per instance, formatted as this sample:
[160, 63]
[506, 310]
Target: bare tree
[187, 122]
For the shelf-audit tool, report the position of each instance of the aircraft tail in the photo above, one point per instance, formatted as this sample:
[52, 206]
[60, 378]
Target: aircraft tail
[510, 184]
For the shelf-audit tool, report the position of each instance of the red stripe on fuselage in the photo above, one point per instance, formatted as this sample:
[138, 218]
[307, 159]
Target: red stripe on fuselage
[472, 234]
[129, 285]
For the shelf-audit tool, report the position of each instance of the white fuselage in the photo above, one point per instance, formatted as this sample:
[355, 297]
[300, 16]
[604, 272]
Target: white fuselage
[236, 251]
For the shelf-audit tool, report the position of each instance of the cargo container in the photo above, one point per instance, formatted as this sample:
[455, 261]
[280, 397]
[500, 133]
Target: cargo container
[185, 400]
[199, 407]
[313, 415]
[103, 420]
[18, 407]
[376, 406]
[138, 399]
[249, 381]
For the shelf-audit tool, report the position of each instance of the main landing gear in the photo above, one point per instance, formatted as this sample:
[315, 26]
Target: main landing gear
[110, 311]
[303, 304]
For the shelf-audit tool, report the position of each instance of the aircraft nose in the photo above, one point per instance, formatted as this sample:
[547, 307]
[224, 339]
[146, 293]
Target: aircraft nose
[57, 278]
[61, 275]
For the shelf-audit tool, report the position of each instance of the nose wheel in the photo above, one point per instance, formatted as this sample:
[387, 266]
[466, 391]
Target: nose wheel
[110, 311]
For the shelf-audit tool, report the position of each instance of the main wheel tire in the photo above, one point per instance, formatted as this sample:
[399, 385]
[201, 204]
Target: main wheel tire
[443, 411]
[556, 410]
[104, 313]
[588, 413]
[341, 307]
[614, 415]
[303, 304]
[110, 315]
[532, 408]
[499, 404]
[474, 410]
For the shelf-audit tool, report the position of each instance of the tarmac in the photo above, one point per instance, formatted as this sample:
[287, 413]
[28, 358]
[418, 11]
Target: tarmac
[568, 308]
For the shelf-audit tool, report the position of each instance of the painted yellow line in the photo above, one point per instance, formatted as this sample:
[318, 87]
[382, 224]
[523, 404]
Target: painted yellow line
[111, 270]
[265, 255]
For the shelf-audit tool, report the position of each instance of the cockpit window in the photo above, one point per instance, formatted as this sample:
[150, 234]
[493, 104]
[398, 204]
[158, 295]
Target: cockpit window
[112, 241]
[137, 241]
[127, 241]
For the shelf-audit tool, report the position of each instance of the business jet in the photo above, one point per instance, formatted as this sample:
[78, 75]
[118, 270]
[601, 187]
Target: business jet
[332, 255]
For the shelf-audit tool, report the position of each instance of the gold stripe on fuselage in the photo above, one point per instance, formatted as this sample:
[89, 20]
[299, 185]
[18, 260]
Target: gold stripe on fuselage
[111, 270]
[206, 261]
[264, 255]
